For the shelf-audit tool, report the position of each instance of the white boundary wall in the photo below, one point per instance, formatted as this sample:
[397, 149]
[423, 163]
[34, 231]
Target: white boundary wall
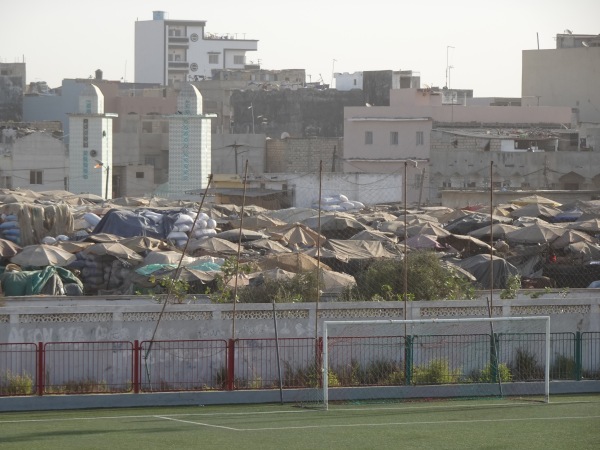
[63, 319]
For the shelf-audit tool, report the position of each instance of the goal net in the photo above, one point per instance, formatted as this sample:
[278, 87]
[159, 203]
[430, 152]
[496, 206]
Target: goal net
[391, 360]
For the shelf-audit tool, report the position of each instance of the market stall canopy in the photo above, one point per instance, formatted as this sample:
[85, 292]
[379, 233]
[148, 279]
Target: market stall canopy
[356, 249]
[73, 246]
[246, 234]
[590, 225]
[535, 199]
[42, 255]
[374, 235]
[421, 241]
[115, 249]
[536, 233]
[572, 237]
[297, 234]
[293, 262]
[467, 245]
[536, 210]
[427, 228]
[497, 231]
[472, 222]
[268, 245]
[259, 222]
[334, 222]
[167, 257]
[141, 244]
[291, 215]
[8, 248]
[212, 246]
[481, 265]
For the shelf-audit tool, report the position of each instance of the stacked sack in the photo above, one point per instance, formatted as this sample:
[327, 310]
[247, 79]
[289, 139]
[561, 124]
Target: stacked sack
[102, 272]
[205, 226]
[187, 225]
[338, 203]
[10, 228]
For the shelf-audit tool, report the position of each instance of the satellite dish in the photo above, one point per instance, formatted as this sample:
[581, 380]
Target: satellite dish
[285, 135]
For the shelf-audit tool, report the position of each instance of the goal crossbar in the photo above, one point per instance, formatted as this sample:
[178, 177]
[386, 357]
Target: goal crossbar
[331, 325]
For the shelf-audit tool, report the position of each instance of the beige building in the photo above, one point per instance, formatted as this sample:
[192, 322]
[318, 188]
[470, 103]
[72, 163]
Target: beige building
[31, 159]
[391, 139]
[565, 76]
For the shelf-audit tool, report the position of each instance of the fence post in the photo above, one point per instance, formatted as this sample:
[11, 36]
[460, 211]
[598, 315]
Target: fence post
[230, 364]
[136, 366]
[408, 359]
[494, 340]
[578, 355]
[40, 368]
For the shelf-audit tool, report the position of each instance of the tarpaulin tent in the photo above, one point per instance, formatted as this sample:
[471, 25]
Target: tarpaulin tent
[481, 265]
[51, 280]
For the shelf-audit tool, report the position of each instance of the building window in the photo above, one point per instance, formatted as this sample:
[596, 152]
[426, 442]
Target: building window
[150, 160]
[368, 138]
[35, 177]
[85, 133]
[213, 58]
[238, 59]
[147, 127]
[420, 140]
[393, 138]
[139, 174]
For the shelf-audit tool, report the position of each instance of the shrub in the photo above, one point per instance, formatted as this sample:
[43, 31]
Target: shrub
[427, 278]
[438, 371]
[563, 368]
[384, 373]
[16, 384]
[487, 374]
[526, 367]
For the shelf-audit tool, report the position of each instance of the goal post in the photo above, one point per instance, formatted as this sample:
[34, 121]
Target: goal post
[386, 360]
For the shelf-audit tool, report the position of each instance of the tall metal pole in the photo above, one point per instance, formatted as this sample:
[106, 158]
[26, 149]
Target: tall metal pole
[319, 252]
[405, 266]
[106, 184]
[239, 252]
[447, 47]
[491, 237]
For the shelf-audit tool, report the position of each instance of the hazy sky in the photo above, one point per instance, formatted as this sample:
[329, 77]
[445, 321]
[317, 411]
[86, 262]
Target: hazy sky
[72, 38]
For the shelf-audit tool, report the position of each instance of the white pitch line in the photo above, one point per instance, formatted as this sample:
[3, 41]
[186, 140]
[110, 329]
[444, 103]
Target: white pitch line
[198, 423]
[440, 422]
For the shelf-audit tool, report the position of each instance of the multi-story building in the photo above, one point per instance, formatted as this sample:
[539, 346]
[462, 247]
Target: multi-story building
[565, 76]
[90, 146]
[33, 157]
[173, 52]
[419, 126]
[12, 87]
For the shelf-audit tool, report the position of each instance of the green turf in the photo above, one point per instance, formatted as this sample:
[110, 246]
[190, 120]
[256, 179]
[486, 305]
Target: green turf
[566, 423]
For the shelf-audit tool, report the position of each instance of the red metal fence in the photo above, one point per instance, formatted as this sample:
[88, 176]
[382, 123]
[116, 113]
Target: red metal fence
[200, 365]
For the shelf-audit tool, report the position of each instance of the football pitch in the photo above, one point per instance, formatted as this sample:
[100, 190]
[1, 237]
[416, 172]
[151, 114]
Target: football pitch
[567, 422]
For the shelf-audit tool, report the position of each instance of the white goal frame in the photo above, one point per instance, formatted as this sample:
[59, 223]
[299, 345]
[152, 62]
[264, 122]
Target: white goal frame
[327, 325]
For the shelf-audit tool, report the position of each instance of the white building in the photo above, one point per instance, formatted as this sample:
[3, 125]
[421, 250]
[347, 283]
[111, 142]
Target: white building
[176, 51]
[35, 161]
[189, 144]
[91, 145]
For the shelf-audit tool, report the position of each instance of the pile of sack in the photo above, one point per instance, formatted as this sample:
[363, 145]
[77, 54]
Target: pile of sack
[10, 229]
[338, 203]
[191, 226]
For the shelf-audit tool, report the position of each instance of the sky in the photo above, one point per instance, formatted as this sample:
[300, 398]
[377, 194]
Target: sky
[482, 40]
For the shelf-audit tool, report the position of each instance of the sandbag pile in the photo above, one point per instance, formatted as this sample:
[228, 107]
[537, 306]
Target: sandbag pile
[10, 228]
[102, 272]
[189, 225]
[338, 203]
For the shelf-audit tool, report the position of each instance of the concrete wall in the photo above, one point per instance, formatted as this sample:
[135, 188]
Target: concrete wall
[304, 155]
[31, 320]
[563, 77]
[369, 189]
[38, 152]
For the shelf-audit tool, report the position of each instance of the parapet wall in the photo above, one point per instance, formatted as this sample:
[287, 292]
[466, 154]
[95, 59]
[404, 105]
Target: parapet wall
[60, 319]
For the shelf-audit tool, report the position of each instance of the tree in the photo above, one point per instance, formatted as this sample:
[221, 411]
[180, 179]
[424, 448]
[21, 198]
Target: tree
[427, 279]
